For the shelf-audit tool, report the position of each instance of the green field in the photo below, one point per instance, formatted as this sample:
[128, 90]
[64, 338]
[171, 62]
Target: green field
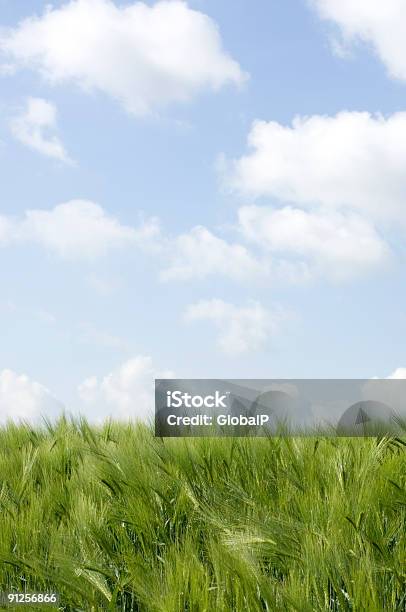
[114, 519]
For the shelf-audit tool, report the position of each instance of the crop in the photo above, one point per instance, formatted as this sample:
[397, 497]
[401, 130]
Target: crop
[114, 519]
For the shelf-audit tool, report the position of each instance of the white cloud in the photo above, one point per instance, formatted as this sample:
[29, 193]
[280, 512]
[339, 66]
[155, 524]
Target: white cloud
[380, 24]
[75, 230]
[399, 373]
[334, 244]
[79, 229]
[352, 160]
[126, 393]
[35, 127]
[335, 190]
[199, 254]
[21, 398]
[286, 245]
[241, 329]
[290, 245]
[143, 56]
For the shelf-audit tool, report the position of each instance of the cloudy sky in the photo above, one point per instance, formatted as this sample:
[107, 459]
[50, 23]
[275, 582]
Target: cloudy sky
[198, 189]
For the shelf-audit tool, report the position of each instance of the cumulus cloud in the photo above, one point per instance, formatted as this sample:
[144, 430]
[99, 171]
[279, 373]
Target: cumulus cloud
[335, 244]
[352, 160]
[35, 127]
[125, 393]
[241, 328]
[285, 245]
[199, 254]
[82, 229]
[333, 189]
[377, 23]
[77, 230]
[23, 399]
[399, 373]
[143, 56]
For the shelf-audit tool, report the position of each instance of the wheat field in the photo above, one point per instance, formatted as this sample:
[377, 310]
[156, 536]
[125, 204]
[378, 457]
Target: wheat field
[112, 518]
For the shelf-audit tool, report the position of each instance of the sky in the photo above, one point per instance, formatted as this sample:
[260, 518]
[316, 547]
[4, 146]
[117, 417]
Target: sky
[202, 189]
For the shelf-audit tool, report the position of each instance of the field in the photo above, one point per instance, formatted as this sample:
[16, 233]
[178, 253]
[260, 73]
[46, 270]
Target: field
[114, 519]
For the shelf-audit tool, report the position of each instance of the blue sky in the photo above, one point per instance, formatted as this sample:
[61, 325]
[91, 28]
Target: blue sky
[204, 231]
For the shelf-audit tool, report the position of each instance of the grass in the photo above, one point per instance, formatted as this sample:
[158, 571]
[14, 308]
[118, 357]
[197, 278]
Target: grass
[114, 519]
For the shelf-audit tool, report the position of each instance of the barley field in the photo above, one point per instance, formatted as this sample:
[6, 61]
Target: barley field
[112, 518]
